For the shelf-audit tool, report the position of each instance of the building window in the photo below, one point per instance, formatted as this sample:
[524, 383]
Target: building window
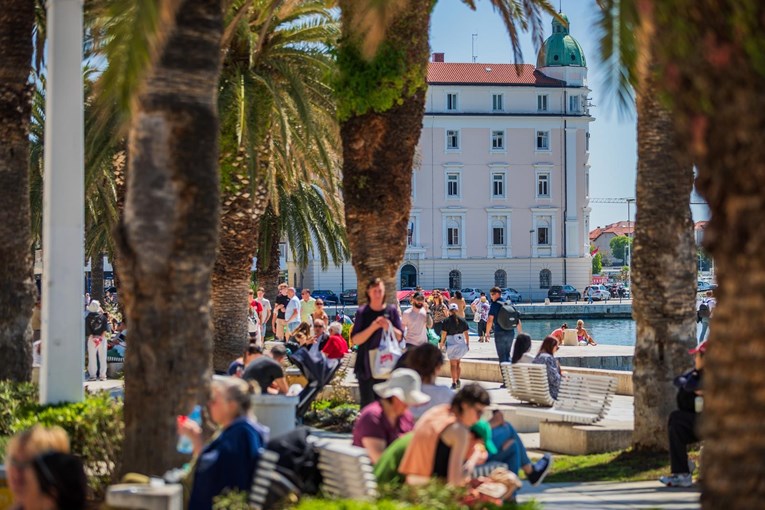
[500, 278]
[498, 185]
[542, 103]
[587, 142]
[545, 277]
[543, 231]
[498, 234]
[498, 140]
[496, 102]
[451, 102]
[573, 104]
[543, 185]
[410, 238]
[455, 279]
[452, 235]
[543, 140]
[453, 185]
[452, 139]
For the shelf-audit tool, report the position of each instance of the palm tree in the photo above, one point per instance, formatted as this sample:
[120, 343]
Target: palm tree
[276, 120]
[711, 62]
[168, 233]
[382, 64]
[16, 280]
[663, 260]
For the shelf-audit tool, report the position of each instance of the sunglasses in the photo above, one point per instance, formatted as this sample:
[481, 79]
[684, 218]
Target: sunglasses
[318, 326]
[319, 304]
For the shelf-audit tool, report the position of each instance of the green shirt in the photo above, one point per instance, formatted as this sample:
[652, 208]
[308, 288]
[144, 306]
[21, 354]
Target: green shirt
[386, 469]
[306, 310]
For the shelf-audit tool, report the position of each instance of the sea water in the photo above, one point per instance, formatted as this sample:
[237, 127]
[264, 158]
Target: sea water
[604, 331]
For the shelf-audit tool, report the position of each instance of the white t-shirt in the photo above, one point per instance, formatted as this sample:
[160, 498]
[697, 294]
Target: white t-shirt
[266, 304]
[292, 306]
[415, 324]
[438, 395]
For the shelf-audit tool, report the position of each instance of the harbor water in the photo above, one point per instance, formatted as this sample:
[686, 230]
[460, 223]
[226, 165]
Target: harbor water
[604, 331]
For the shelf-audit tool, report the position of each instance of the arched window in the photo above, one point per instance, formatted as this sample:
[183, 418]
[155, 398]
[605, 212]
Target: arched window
[455, 279]
[500, 278]
[545, 277]
[408, 276]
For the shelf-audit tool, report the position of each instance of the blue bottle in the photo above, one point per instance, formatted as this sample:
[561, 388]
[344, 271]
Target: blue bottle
[184, 442]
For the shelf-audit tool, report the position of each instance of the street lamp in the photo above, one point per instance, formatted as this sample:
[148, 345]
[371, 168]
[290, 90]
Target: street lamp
[531, 252]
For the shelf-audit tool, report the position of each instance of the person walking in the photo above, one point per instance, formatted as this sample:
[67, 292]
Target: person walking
[458, 300]
[416, 320]
[480, 307]
[280, 306]
[292, 311]
[438, 310]
[266, 313]
[371, 320]
[503, 338]
[455, 337]
[96, 326]
[704, 313]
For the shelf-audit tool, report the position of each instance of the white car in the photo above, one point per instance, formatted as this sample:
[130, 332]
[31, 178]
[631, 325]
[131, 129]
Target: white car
[512, 295]
[599, 293]
[470, 295]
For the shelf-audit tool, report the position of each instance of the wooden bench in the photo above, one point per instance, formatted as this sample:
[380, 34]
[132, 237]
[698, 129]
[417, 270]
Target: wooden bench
[346, 471]
[527, 382]
[583, 399]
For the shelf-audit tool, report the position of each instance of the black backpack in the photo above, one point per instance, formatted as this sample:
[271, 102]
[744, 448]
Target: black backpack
[508, 317]
[704, 312]
[96, 323]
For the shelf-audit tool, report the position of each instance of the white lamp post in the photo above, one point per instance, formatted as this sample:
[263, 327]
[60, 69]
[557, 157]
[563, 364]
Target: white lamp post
[63, 348]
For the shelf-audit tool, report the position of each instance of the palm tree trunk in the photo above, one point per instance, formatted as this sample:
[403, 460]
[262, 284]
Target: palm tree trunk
[97, 277]
[168, 236]
[663, 269]
[378, 152]
[268, 263]
[18, 295]
[719, 108]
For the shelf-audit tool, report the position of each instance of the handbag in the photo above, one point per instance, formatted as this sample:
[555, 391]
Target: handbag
[383, 359]
[433, 337]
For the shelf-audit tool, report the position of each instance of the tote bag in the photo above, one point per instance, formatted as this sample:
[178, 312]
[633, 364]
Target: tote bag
[384, 358]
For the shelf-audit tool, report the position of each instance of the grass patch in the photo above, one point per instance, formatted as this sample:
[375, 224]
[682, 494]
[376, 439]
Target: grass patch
[620, 466]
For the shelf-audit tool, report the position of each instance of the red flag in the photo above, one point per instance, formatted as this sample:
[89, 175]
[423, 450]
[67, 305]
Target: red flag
[593, 252]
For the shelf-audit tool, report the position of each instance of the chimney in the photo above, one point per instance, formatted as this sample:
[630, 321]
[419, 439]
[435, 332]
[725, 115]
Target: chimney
[438, 57]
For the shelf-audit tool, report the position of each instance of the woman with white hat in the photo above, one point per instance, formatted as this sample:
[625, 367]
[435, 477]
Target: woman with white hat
[95, 327]
[385, 420]
[455, 337]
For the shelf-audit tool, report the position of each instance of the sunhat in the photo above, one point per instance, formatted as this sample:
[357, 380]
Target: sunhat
[94, 306]
[404, 384]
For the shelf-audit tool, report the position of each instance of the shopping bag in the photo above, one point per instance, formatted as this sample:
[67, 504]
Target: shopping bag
[384, 358]
[433, 337]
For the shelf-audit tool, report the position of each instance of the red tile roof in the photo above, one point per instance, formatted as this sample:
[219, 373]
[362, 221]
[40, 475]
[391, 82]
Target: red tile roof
[620, 228]
[442, 73]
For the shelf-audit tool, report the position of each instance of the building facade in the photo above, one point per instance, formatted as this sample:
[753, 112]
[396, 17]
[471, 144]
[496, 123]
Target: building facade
[500, 184]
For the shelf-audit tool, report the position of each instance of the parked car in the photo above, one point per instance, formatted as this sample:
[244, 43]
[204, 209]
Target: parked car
[563, 293]
[599, 292]
[349, 297]
[470, 295]
[512, 295]
[329, 297]
[702, 286]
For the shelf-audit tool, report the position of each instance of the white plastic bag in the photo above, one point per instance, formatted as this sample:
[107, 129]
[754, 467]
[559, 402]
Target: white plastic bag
[384, 358]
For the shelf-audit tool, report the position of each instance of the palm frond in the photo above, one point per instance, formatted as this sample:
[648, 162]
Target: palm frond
[616, 25]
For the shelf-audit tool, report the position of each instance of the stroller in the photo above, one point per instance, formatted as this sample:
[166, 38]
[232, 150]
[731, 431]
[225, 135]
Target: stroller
[317, 369]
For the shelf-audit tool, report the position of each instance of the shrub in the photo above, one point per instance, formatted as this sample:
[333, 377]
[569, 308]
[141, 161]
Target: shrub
[347, 333]
[17, 400]
[96, 430]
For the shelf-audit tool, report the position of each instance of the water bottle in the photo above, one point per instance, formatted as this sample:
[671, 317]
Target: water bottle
[184, 442]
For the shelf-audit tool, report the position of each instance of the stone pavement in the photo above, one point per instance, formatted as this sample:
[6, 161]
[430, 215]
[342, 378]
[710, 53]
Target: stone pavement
[611, 496]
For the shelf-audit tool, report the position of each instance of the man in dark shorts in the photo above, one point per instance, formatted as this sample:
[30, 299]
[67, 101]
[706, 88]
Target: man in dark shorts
[268, 371]
[280, 305]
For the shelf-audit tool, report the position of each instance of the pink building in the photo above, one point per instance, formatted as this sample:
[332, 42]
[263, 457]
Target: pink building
[500, 186]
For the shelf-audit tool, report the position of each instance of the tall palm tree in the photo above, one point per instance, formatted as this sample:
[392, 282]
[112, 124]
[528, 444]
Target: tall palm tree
[382, 64]
[275, 113]
[168, 233]
[663, 257]
[18, 295]
[713, 66]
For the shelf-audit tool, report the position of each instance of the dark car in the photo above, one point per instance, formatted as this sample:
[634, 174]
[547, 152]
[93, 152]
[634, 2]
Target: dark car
[329, 297]
[563, 293]
[349, 297]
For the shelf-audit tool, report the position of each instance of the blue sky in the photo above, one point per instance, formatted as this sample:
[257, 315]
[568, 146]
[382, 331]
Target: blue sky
[613, 148]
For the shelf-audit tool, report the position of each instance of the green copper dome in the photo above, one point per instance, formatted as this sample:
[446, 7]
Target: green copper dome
[560, 49]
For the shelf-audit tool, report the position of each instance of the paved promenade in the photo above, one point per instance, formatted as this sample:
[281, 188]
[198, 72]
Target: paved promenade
[611, 496]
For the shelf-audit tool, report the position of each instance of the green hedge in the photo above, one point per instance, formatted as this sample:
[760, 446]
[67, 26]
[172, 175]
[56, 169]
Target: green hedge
[95, 427]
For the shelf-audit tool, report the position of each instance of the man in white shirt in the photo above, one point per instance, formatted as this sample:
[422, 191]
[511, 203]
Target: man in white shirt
[416, 320]
[266, 313]
[292, 312]
[704, 313]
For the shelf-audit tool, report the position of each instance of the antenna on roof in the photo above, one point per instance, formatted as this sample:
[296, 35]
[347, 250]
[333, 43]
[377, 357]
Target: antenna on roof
[472, 51]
